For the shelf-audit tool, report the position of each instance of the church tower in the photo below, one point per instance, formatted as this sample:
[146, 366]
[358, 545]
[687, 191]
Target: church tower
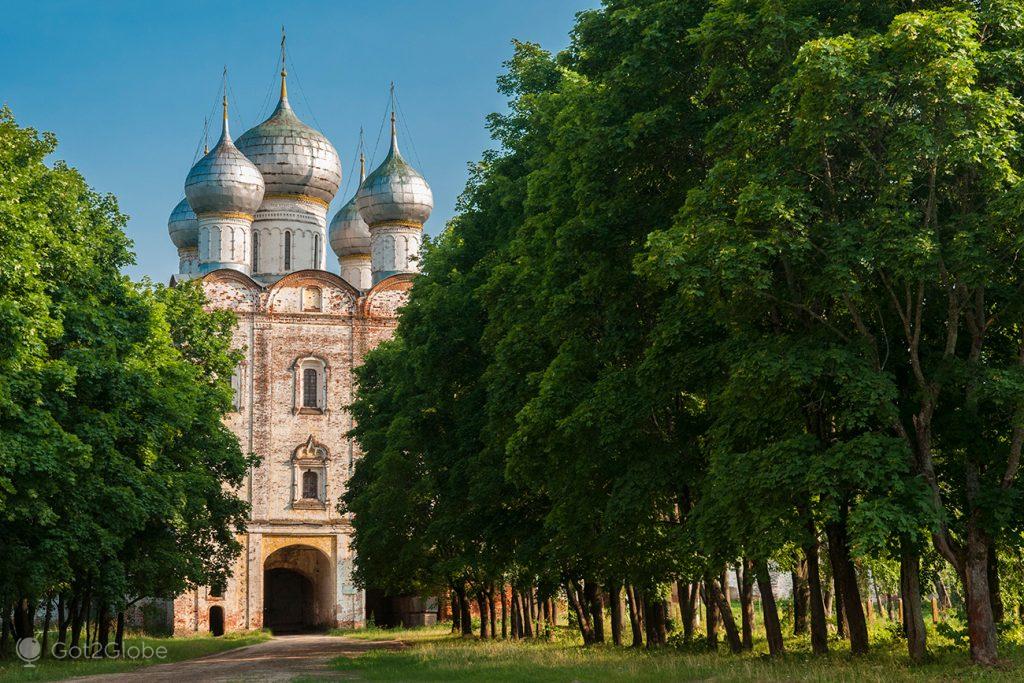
[302, 173]
[253, 232]
[350, 240]
[224, 190]
[395, 201]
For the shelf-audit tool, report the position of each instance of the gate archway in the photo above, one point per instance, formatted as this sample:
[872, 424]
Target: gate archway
[298, 590]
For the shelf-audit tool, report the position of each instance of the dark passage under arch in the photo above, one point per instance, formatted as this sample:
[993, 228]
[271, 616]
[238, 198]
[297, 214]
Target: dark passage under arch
[217, 620]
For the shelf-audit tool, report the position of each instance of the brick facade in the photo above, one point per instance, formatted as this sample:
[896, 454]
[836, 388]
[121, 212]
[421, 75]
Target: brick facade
[307, 320]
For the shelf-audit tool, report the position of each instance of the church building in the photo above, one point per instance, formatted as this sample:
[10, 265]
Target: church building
[253, 228]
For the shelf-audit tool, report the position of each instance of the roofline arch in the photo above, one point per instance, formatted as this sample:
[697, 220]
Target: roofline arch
[325, 276]
[391, 282]
[232, 274]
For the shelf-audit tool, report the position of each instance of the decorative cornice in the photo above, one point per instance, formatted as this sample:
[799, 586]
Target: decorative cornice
[397, 224]
[226, 214]
[298, 197]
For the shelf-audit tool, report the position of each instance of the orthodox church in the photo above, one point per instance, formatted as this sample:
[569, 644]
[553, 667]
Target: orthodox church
[253, 228]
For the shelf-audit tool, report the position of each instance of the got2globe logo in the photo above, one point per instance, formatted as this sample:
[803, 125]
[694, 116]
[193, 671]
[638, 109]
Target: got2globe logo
[29, 650]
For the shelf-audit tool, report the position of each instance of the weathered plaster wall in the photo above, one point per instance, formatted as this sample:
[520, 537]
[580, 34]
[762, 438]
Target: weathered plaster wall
[277, 327]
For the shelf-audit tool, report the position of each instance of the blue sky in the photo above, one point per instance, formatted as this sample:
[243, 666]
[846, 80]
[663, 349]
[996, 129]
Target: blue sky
[126, 85]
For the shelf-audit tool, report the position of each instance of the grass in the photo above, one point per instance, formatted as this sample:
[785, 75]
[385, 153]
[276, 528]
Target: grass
[433, 654]
[177, 649]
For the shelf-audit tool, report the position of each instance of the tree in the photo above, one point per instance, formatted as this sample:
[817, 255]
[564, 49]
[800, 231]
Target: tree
[117, 477]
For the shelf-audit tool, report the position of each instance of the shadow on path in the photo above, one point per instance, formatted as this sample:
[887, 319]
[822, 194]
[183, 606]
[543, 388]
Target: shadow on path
[280, 659]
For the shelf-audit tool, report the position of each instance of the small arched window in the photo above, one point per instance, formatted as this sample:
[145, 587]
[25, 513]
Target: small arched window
[288, 250]
[310, 396]
[312, 299]
[236, 388]
[255, 252]
[316, 251]
[310, 485]
[310, 388]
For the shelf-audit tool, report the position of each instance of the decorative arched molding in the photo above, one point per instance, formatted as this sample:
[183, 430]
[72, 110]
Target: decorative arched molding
[309, 460]
[232, 289]
[337, 295]
[299, 367]
[387, 296]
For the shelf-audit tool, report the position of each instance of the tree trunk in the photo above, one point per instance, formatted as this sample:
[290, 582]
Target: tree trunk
[504, 612]
[592, 593]
[493, 609]
[24, 612]
[582, 616]
[711, 611]
[465, 618]
[514, 609]
[746, 585]
[801, 598]
[846, 584]
[103, 626]
[940, 589]
[686, 610]
[481, 605]
[981, 625]
[456, 612]
[819, 626]
[839, 611]
[62, 622]
[769, 610]
[635, 622]
[119, 636]
[993, 585]
[615, 606]
[46, 623]
[725, 612]
[910, 589]
[80, 612]
[549, 629]
[695, 604]
[5, 628]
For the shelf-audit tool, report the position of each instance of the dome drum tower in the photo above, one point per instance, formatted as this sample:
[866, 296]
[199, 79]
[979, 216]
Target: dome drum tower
[394, 201]
[183, 227]
[350, 240]
[224, 190]
[302, 172]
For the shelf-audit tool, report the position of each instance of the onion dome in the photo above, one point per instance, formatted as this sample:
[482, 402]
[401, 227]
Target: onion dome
[395, 193]
[295, 160]
[349, 234]
[224, 180]
[183, 226]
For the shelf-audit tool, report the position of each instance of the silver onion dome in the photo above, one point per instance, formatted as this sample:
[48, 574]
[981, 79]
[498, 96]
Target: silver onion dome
[295, 160]
[395, 193]
[183, 226]
[224, 180]
[348, 233]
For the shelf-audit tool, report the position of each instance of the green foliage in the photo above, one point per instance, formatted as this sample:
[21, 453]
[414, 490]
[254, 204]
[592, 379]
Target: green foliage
[741, 271]
[117, 476]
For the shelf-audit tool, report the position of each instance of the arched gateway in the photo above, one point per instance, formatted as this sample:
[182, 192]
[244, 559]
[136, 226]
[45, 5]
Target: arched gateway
[298, 590]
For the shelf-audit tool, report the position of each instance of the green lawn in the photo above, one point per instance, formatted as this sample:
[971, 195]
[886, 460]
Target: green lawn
[433, 654]
[177, 650]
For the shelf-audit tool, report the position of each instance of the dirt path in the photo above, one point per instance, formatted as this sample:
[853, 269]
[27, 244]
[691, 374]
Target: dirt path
[281, 659]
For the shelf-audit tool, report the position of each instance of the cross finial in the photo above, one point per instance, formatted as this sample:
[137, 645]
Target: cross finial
[284, 69]
[362, 157]
[224, 103]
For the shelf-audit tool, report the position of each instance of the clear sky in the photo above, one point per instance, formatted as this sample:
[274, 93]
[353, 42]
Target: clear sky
[126, 85]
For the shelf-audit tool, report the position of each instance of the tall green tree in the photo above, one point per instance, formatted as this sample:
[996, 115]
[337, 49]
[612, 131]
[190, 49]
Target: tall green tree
[118, 479]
